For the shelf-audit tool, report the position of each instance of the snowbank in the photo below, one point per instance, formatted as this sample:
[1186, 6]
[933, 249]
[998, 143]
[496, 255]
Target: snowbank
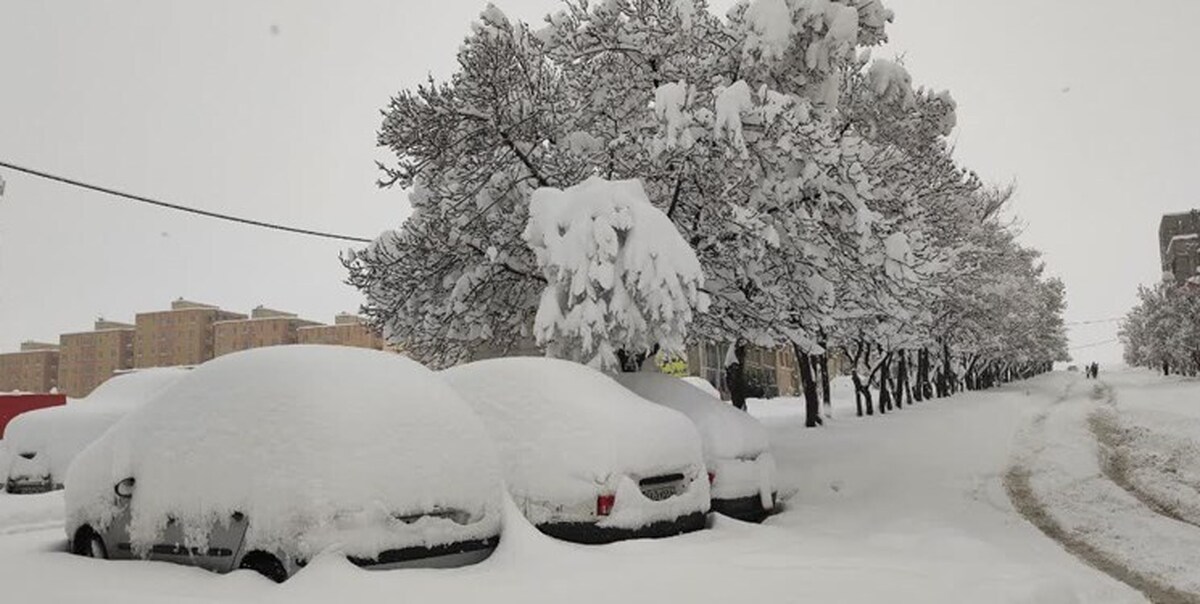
[567, 432]
[318, 446]
[58, 434]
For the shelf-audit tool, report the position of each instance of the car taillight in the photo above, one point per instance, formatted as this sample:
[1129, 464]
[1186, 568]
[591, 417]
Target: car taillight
[604, 504]
[712, 476]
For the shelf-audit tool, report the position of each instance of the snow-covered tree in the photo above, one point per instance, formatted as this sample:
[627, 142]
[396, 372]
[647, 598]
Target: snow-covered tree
[619, 276]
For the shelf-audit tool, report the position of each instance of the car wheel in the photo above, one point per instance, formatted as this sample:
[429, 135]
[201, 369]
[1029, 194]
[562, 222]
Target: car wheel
[264, 564]
[88, 543]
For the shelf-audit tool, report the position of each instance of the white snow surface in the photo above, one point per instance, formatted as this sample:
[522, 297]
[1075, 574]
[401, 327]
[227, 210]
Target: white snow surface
[619, 274]
[907, 508]
[736, 446]
[725, 431]
[58, 434]
[703, 385]
[312, 443]
[1141, 518]
[566, 433]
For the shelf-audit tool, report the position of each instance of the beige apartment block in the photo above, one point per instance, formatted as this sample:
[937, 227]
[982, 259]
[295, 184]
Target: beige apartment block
[33, 369]
[180, 336]
[86, 359]
[265, 327]
[347, 330]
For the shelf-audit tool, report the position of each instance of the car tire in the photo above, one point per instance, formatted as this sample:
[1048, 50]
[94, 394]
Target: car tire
[89, 544]
[264, 564]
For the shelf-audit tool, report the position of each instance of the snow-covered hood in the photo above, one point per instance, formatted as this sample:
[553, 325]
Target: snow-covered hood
[57, 434]
[563, 428]
[726, 432]
[300, 439]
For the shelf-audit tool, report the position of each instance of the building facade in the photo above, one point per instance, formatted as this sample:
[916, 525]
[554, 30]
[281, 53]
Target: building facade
[1179, 245]
[33, 369]
[86, 359]
[265, 327]
[770, 372]
[347, 330]
[180, 336]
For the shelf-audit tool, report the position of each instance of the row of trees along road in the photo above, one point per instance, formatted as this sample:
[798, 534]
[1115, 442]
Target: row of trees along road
[1163, 330]
[814, 185]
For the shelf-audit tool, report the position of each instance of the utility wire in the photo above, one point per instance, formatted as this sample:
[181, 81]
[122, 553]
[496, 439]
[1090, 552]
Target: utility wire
[1112, 320]
[172, 206]
[1094, 344]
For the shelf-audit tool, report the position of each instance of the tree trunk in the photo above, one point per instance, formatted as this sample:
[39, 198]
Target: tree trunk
[885, 384]
[812, 403]
[823, 369]
[901, 379]
[735, 376]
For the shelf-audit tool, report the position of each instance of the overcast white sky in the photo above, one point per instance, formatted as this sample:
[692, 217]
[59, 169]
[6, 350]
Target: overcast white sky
[269, 109]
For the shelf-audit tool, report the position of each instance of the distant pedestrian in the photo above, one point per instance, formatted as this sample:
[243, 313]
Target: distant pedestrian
[1095, 370]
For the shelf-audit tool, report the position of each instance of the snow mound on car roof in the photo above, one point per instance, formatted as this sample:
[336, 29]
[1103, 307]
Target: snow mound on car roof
[312, 443]
[563, 428]
[704, 385]
[726, 432]
[58, 434]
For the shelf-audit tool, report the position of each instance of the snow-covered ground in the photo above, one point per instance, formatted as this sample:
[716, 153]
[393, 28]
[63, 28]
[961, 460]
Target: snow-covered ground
[909, 507]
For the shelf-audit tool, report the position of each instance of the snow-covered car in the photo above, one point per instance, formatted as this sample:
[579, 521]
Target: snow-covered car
[43, 442]
[264, 458]
[585, 459]
[737, 450]
[3, 463]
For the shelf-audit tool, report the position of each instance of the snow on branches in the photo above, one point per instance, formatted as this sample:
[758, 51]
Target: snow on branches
[619, 277]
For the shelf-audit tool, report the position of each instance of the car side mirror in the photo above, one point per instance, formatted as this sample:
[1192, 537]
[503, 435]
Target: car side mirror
[124, 489]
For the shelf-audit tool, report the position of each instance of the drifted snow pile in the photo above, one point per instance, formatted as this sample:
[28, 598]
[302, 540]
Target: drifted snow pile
[58, 434]
[619, 275]
[318, 446]
[567, 432]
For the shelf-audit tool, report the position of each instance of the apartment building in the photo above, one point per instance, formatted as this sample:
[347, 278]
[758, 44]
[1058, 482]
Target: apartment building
[772, 370]
[33, 369]
[265, 327]
[182, 335]
[1179, 245]
[86, 359]
[347, 330]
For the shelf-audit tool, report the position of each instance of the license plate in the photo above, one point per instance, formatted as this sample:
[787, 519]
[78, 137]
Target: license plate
[659, 493]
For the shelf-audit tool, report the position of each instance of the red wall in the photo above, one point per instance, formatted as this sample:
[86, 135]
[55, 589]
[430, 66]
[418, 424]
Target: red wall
[12, 405]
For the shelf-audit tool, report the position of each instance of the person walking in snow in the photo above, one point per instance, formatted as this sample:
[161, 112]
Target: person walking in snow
[1095, 370]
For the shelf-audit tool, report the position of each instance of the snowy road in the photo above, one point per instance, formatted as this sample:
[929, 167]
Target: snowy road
[910, 507]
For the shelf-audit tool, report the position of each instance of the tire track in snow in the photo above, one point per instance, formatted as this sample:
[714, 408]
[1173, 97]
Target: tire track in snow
[1115, 463]
[1018, 485]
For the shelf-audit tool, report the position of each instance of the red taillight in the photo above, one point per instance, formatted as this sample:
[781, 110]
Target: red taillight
[712, 476]
[604, 504]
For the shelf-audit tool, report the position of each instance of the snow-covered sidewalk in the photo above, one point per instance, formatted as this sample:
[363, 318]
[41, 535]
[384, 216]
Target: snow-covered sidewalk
[909, 507]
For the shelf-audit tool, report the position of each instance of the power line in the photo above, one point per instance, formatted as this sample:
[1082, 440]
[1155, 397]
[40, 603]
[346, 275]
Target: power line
[173, 206]
[1093, 322]
[1094, 344]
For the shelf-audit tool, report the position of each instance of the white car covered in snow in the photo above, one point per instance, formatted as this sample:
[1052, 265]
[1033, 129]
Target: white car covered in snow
[737, 450]
[585, 459]
[262, 459]
[43, 442]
